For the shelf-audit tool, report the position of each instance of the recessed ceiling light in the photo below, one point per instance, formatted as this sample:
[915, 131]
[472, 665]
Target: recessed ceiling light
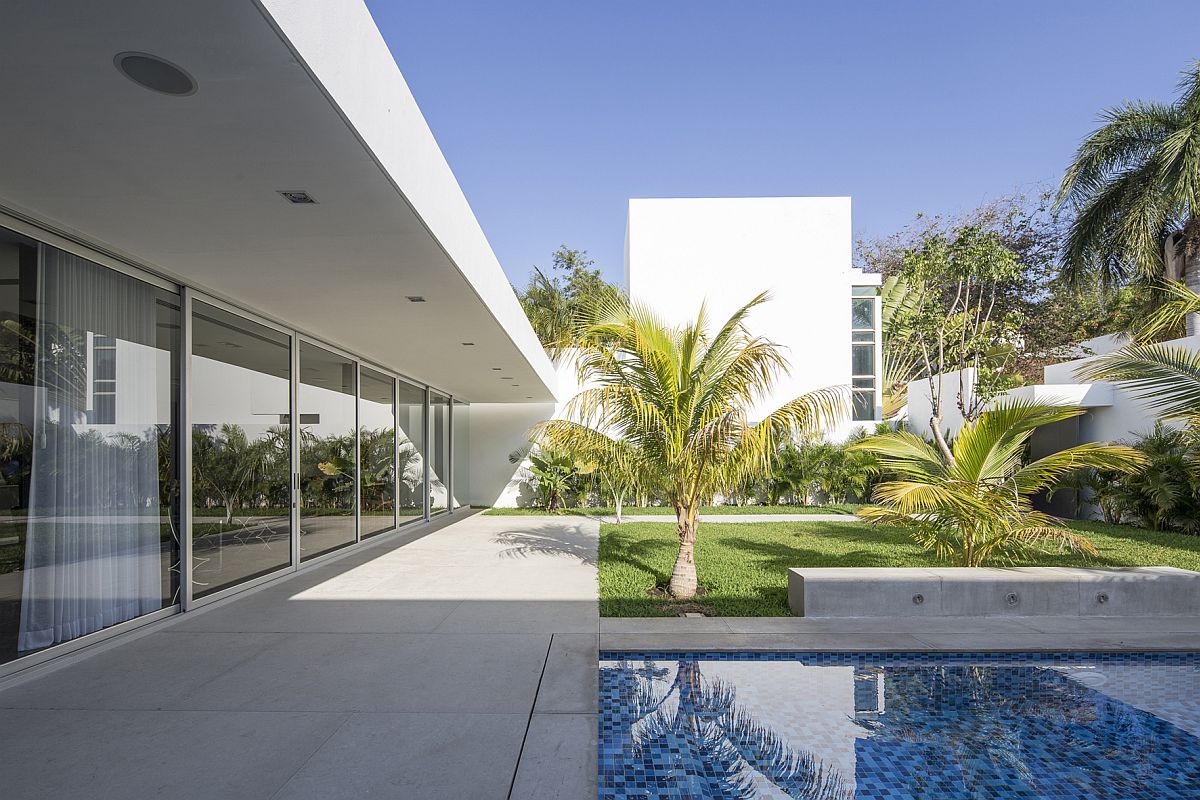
[298, 196]
[415, 298]
[154, 73]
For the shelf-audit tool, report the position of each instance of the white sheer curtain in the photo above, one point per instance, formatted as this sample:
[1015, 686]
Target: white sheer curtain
[92, 550]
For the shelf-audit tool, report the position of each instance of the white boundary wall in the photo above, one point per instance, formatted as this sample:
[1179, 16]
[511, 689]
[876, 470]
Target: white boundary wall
[1114, 414]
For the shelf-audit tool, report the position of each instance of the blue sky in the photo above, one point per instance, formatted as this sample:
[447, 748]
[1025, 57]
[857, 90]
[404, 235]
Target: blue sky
[553, 114]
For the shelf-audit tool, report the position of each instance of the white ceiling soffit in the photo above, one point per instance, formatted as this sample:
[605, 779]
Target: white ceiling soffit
[290, 96]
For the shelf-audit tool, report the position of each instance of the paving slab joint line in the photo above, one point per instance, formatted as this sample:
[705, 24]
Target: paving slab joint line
[512, 784]
[316, 750]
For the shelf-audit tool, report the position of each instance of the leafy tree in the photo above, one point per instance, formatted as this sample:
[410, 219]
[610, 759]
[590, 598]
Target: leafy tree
[953, 320]
[1135, 188]
[970, 502]
[1051, 315]
[681, 398]
[555, 301]
[412, 474]
[834, 470]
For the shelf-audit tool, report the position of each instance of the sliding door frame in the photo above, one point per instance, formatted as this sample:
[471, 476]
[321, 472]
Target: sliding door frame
[198, 602]
[346, 354]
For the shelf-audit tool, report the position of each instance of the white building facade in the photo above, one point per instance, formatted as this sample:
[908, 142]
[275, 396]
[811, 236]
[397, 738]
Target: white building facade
[681, 252]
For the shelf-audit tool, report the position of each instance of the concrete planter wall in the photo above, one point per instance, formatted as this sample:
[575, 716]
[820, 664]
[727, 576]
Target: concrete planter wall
[993, 592]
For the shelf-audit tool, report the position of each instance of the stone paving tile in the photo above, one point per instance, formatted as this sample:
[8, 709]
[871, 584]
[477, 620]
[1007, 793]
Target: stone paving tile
[569, 681]
[559, 760]
[414, 757]
[128, 754]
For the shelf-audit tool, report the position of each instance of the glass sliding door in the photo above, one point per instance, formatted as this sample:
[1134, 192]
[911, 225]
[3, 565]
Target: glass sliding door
[241, 449]
[89, 397]
[460, 423]
[439, 452]
[328, 462]
[377, 452]
[410, 452]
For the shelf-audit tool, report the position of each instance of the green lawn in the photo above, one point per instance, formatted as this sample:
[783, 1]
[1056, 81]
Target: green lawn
[667, 511]
[743, 566]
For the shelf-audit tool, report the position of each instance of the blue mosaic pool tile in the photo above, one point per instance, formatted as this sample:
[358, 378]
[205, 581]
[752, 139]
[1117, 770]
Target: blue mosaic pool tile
[896, 726]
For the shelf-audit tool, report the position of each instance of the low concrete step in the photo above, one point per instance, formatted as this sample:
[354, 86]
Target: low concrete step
[993, 591]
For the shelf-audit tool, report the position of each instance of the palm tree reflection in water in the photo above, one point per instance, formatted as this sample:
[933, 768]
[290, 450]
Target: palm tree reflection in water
[954, 730]
[692, 734]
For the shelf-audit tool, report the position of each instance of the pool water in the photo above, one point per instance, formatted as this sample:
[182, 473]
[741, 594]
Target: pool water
[886, 726]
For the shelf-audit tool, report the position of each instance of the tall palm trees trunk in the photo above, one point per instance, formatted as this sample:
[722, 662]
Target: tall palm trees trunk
[683, 574]
[1191, 279]
[1181, 262]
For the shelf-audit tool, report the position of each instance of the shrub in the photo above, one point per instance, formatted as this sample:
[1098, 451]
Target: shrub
[1165, 495]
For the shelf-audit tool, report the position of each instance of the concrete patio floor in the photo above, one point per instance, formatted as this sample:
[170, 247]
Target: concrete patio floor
[462, 664]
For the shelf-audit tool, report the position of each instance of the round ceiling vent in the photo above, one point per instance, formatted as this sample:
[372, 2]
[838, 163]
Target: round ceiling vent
[155, 73]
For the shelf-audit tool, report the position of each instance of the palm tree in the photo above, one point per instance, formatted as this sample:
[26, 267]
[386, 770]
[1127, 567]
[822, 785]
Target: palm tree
[901, 353]
[1165, 377]
[973, 504]
[550, 311]
[682, 398]
[556, 471]
[1176, 303]
[1135, 187]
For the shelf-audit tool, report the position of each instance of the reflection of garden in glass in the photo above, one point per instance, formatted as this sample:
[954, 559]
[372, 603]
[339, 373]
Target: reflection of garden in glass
[327, 450]
[377, 452]
[899, 726]
[241, 449]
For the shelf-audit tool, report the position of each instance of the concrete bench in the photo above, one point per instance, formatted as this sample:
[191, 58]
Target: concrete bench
[992, 592]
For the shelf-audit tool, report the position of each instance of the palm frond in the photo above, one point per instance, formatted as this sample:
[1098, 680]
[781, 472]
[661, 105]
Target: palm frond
[1043, 473]
[1164, 377]
[1180, 301]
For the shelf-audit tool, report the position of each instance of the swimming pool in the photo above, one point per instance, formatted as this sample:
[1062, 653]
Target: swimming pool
[885, 726]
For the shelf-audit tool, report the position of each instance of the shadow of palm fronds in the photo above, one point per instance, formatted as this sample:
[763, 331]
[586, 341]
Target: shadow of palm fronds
[545, 542]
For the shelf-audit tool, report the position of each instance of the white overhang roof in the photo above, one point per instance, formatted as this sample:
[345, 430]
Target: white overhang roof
[291, 96]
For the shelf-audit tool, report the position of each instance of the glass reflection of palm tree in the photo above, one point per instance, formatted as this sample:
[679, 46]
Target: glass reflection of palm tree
[705, 744]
